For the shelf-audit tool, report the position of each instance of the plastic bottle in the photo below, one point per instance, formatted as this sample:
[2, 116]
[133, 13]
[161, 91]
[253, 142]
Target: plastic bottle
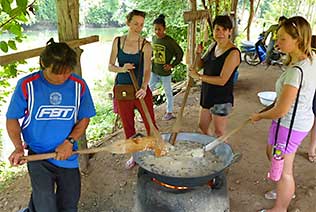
[276, 168]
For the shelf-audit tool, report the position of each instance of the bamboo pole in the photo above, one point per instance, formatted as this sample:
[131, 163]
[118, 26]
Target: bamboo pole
[7, 59]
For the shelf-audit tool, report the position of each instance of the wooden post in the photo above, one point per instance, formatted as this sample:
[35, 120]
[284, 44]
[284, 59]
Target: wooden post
[68, 29]
[191, 35]
[68, 24]
[195, 15]
[192, 17]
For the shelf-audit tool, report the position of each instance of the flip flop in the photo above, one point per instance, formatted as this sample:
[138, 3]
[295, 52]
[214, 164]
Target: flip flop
[262, 210]
[311, 158]
[271, 195]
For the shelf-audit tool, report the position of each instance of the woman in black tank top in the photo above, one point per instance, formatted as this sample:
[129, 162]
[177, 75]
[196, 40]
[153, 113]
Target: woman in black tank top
[219, 65]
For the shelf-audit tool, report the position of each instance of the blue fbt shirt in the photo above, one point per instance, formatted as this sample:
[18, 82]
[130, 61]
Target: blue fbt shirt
[50, 112]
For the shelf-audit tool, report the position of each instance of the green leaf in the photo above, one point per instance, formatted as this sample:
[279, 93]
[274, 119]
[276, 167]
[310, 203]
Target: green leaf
[12, 45]
[21, 17]
[4, 46]
[18, 39]
[21, 3]
[16, 29]
[6, 6]
[15, 12]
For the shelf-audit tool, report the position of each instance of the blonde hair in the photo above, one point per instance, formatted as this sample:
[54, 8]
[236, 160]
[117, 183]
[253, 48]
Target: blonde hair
[299, 28]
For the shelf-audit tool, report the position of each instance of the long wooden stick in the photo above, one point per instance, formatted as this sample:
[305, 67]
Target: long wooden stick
[118, 147]
[176, 127]
[160, 146]
[223, 138]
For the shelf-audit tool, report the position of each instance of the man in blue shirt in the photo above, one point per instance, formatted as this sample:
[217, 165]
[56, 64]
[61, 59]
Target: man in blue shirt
[54, 106]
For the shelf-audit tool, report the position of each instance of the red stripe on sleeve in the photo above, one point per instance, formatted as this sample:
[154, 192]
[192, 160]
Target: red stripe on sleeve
[83, 85]
[24, 83]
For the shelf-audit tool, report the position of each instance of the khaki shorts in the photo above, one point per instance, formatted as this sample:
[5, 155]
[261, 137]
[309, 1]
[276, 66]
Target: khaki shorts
[221, 109]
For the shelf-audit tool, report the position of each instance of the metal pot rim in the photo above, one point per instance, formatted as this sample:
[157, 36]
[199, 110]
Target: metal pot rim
[223, 150]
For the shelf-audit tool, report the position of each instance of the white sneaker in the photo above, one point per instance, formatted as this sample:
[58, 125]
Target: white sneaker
[24, 210]
[168, 116]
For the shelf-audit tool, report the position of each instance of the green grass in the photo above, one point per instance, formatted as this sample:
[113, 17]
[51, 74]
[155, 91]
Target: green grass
[8, 174]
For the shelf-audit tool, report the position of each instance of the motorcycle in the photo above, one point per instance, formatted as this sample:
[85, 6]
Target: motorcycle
[256, 53]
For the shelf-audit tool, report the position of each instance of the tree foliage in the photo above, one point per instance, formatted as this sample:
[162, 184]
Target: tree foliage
[13, 13]
[101, 14]
[176, 27]
[46, 11]
[269, 11]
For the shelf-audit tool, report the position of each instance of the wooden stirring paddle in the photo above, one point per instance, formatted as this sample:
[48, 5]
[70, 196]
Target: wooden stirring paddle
[160, 146]
[223, 138]
[119, 147]
[176, 127]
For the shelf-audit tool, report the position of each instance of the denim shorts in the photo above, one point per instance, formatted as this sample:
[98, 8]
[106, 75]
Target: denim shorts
[221, 109]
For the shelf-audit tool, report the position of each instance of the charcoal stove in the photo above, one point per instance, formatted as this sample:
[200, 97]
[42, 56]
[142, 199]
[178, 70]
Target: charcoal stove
[155, 196]
[161, 190]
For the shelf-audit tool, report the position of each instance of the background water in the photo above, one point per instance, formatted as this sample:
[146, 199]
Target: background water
[94, 62]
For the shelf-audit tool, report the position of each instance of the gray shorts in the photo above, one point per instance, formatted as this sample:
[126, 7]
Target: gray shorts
[221, 109]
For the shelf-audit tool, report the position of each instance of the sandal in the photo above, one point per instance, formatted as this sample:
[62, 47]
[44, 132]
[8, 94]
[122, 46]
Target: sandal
[311, 158]
[130, 163]
[271, 195]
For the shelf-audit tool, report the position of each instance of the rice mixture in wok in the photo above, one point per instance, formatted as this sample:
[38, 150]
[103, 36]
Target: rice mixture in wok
[181, 161]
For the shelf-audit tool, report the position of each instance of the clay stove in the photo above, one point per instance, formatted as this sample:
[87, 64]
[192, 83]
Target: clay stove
[153, 195]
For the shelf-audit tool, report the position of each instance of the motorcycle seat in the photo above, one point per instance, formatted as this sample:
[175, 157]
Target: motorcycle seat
[247, 43]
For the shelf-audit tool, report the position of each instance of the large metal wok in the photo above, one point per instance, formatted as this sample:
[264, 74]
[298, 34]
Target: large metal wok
[222, 151]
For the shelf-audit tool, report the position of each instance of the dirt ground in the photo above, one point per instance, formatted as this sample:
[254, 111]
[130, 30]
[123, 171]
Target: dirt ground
[109, 187]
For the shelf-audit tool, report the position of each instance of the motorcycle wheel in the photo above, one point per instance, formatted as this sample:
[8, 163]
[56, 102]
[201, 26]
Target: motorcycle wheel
[251, 58]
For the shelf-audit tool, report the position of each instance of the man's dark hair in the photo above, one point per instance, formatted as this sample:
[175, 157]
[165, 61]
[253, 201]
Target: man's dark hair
[282, 18]
[160, 20]
[223, 21]
[59, 55]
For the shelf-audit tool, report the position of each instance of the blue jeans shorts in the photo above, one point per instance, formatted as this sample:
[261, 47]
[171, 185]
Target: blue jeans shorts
[221, 109]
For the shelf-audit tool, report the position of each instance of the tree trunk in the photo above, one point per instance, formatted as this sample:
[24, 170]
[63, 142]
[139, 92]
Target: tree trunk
[209, 18]
[211, 15]
[251, 14]
[217, 6]
[234, 18]
[68, 29]
[257, 7]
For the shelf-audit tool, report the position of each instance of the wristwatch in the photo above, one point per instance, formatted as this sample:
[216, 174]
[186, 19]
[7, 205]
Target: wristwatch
[71, 140]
